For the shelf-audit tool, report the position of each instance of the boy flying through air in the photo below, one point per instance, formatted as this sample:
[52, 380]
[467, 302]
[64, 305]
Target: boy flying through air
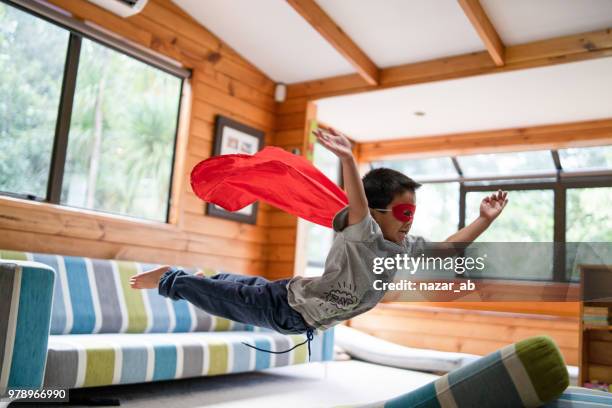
[374, 224]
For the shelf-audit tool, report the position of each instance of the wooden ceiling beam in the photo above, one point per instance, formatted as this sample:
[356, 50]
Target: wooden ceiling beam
[485, 30]
[573, 134]
[577, 47]
[321, 22]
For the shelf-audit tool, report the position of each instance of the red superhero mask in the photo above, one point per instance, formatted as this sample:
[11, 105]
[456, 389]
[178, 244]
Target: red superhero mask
[401, 212]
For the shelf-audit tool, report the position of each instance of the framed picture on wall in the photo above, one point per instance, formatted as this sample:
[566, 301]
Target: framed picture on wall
[232, 137]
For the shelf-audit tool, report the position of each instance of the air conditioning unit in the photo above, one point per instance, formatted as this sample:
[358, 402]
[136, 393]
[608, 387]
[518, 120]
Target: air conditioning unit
[123, 8]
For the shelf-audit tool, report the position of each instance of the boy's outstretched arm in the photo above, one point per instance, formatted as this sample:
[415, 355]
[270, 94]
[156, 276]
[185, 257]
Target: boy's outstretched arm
[490, 207]
[339, 144]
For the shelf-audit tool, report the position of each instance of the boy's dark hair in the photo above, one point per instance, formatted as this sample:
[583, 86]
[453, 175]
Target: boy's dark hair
[382, 185]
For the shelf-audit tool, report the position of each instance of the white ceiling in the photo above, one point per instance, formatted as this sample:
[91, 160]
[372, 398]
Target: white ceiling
[521, 21]
[394, 32]
[276, 39]
[556, 94]
[272, 36]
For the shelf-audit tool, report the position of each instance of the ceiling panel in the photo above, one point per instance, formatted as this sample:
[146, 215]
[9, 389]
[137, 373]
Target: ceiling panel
[548, 95]
[395, 32]
[270, 35]
[521, 21]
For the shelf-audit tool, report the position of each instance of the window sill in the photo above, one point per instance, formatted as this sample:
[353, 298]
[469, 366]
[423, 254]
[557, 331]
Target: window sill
[65, 211]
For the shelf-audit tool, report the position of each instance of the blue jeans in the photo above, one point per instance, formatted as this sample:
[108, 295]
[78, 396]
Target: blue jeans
[246, 299]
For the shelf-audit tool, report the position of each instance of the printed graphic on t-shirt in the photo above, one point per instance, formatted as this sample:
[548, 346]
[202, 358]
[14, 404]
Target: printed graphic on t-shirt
[343, 297]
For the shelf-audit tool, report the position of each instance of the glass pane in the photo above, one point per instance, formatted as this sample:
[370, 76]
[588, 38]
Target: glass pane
[319, 243]
[528, 216]
[501, 164]
[589, 219]
[588, 228]
[422, 169]
[32, 55]
[327, 162]
[122, 133]
[319, 239]
[437, 214]
[586, 158]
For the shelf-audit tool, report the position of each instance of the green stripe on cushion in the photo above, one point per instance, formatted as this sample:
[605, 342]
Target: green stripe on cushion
[221, 324]
[545, 366]
[100, 367]
[300, 354]
[137, 316]
[218, 358]
[16, 255]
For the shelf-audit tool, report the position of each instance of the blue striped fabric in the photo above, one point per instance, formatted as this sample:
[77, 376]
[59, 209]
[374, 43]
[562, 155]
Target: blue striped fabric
[578, 397]
[141, 357]
[93, 296]
[26, 289]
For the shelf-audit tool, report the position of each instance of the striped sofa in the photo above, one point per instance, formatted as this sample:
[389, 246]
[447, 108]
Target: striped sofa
[70, 322]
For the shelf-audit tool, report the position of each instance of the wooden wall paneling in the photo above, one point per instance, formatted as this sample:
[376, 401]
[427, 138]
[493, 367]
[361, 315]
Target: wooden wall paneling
[466, 331]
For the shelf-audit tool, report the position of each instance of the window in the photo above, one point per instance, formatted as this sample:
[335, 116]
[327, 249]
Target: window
[528, 216]
[586, 158]
[589, 215]
[422, 170]
[32, 56]
[121, 139]
[498, 164]
[86, 125]
[555, 196]
[588, 227]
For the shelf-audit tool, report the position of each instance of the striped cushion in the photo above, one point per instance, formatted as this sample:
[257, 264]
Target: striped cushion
[25, 307]
[577, 397]
[85, 360]
[94, 296]
[526, 374]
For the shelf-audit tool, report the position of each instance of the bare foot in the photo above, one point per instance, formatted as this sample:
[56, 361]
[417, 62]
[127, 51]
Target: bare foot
[148, 279]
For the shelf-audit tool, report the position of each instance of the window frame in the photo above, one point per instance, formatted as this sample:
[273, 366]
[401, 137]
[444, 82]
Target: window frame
[77, 32]
[560, 182]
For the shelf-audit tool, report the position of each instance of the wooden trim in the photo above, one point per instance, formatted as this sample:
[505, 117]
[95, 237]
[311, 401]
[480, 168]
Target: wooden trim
[559, 50]
[320, 21]
[468, 331]
[300, 248]
[487, 33]
[588, 133]
[180, 154]
[563, 309]
[518, 310]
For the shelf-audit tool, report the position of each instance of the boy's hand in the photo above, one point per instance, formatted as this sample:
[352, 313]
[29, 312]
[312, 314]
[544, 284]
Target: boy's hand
[335, 142]
[491, 206]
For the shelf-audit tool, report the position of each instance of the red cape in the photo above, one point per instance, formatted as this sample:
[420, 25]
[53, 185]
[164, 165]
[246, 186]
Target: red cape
[272, 175]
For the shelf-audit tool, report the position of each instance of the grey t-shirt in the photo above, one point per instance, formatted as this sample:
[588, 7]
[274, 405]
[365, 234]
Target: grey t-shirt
[346, 287]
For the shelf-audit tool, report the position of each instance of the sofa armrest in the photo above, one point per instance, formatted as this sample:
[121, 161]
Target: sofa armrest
[26, 294]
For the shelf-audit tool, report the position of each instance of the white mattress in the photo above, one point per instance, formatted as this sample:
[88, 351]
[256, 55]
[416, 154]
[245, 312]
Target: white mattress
[368, 348]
